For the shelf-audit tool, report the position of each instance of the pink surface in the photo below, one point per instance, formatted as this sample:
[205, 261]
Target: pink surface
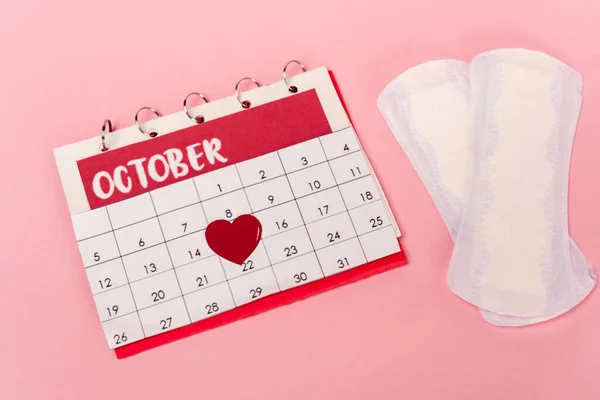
[67, 65]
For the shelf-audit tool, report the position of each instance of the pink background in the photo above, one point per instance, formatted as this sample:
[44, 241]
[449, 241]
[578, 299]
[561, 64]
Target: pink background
[66, 65]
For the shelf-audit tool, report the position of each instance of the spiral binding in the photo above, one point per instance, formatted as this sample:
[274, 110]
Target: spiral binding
[107, 125]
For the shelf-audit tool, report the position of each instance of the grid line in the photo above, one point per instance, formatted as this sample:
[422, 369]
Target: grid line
[126, 275]
[302, 216]
[220, 261]
[200, 203]
[170, 258]
[252, 212]
[344, 201]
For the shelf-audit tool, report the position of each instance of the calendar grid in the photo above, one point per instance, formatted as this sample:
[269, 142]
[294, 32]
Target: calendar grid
[162, 232]
[200, 230]
[341, 241]
[261, 239]
[219, 258]
[301, 216]
[214, 255]
[342, 196]
[212, 198]
[266, 180]
[156, 217]
[126, 276]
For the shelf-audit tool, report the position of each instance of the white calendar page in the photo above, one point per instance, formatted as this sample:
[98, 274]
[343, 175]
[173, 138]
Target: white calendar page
[140, 211]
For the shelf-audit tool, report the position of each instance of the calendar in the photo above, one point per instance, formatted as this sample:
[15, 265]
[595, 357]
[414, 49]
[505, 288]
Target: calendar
[140, 212]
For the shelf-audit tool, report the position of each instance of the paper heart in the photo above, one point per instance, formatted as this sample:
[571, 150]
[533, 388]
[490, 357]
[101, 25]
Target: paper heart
[234, 241]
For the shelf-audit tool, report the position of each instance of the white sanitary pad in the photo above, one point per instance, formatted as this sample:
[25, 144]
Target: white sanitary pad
[428, 110]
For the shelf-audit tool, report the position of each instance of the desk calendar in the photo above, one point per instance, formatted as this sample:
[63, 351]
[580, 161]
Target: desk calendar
[292, 160]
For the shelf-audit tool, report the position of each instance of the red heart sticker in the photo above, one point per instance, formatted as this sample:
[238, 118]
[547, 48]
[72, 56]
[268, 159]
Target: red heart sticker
[234, 241]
